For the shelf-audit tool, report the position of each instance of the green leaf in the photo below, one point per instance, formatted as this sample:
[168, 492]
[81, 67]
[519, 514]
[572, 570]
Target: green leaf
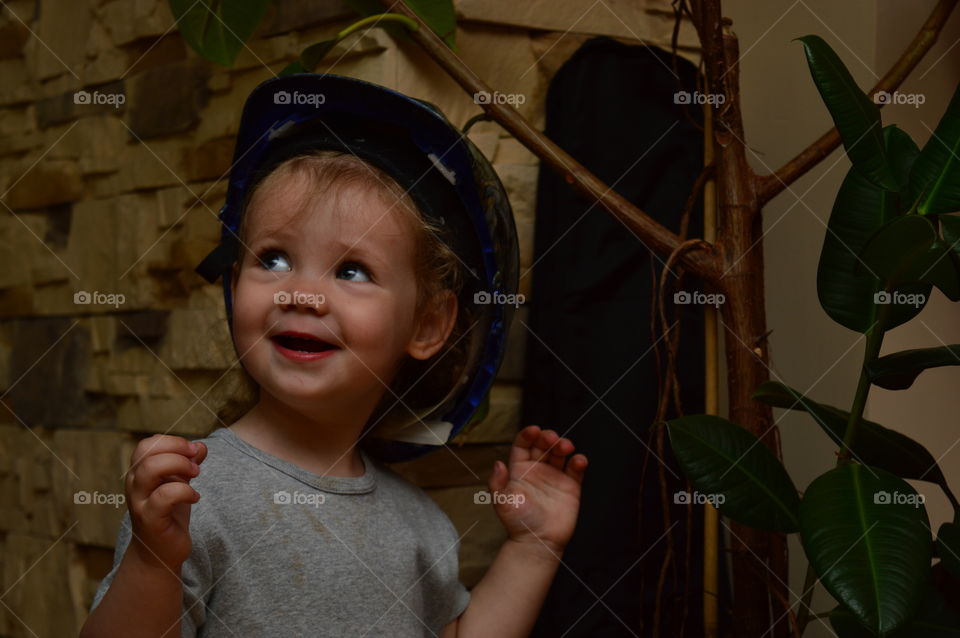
[935, 178]
[217, 30]
[907, 250]
[439, 15]
[855, 115]
[846, 289]
[948, 548]
[293, 67]
[875, 445]
[899, 370]
[950, 228]
[311, 56]
[934, 620]
[721, 458]
[867, 537]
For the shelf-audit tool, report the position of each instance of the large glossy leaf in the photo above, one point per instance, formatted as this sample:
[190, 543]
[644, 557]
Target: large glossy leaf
[868, 539]
[847, 290]
[935, 178]
[948, 548]
[934, 620]
[875, 445]
[950, 228]
[908, 249]
[721, 458]
[899, 370]
[855, 115]
[217, 30]
[438, 14]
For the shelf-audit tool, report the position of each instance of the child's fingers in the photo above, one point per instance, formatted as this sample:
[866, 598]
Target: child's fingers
[160, 444]
[201, 452]
[544, 446]
[156, 469]
[499, 477]
[559, 453]
[522, 444]
[159, 507]
[576, 467]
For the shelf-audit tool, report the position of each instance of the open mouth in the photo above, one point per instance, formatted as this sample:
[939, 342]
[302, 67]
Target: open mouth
[302, 344]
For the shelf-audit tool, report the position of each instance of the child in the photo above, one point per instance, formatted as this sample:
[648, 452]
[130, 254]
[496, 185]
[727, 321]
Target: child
[352, 278]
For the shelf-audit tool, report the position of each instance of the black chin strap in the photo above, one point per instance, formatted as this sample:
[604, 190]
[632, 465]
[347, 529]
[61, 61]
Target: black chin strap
[219, 260]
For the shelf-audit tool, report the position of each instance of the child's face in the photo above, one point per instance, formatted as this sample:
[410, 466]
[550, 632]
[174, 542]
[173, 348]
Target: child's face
[349, 280]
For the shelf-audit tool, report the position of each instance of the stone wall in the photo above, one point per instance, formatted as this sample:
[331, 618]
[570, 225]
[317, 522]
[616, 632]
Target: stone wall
[106, 333]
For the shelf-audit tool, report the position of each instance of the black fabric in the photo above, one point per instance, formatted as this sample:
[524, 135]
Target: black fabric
[590, 368]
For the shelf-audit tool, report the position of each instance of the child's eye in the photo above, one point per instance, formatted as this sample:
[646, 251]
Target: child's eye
[274, 259]
[354, 267]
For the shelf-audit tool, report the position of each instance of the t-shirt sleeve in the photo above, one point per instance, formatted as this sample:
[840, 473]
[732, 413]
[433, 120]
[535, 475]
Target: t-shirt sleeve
[458, 596]
[194, 573]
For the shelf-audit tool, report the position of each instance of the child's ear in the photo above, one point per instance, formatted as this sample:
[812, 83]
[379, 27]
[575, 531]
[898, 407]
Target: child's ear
[434, 327]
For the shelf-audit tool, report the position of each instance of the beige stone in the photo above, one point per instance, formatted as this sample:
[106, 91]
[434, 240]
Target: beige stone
[129, 20]
[60, 43]
[91, 492]
[44, 183]
[35, 587]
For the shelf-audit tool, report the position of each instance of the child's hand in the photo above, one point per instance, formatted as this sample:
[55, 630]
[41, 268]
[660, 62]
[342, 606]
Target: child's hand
[159, 498]
[539, 500]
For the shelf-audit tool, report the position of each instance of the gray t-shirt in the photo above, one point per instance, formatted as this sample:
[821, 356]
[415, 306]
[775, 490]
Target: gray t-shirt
[280, 551]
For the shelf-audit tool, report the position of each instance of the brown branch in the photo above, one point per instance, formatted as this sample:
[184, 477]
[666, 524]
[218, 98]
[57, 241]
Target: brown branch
[768, 186]
[654, 235]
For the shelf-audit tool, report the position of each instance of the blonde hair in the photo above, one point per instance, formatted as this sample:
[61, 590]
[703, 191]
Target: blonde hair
[418, 385]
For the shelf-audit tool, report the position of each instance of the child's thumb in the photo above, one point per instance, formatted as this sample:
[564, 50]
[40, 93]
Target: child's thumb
[499, 477]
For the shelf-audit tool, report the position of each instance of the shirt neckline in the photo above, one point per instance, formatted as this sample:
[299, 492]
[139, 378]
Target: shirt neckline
[362, 484]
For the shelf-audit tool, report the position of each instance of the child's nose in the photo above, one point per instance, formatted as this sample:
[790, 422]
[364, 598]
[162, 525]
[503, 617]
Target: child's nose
[304, 293]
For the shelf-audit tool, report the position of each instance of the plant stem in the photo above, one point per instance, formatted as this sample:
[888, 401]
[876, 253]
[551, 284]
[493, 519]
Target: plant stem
[380, 17]
[871, 351]
[874, 340]
[809, 584]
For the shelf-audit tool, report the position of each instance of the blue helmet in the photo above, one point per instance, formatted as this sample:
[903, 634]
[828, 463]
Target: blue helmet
[450, 181]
